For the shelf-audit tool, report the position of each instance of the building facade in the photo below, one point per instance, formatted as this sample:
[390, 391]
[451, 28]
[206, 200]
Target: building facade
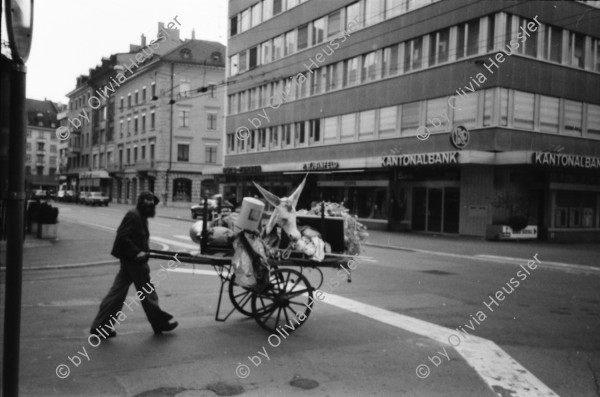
[42, 162]
[419, 115]
[156, 122]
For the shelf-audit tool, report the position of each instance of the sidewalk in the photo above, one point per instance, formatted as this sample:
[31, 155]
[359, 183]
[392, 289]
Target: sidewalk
[80, 245]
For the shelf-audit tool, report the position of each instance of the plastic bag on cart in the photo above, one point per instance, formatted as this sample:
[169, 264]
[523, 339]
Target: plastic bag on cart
[249, 261]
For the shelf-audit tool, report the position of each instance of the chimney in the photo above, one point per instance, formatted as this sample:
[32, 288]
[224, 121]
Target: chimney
[143, 40]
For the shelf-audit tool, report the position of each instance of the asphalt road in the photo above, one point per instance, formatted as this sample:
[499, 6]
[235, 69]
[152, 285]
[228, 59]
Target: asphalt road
[546, 329]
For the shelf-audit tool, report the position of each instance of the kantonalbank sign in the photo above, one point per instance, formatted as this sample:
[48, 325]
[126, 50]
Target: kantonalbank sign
[405, 160]
[566, 160]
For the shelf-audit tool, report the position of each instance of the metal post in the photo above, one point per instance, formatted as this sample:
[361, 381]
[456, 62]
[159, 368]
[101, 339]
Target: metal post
[14, 246]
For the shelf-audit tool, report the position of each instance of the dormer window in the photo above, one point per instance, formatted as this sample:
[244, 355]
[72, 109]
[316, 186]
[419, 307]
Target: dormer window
[216, 57]
[186, 53]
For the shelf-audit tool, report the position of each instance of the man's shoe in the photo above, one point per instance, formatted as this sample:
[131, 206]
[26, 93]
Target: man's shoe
[111, 334]
[169, 327]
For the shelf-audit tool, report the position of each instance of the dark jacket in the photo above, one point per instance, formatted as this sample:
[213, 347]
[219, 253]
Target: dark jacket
[132, 236]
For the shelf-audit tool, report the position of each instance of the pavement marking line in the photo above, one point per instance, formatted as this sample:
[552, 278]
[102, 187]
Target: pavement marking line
[557, 265]
[194, 271]
[498, 259]
[499, 371]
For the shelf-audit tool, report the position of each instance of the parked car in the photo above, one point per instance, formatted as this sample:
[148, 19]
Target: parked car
[226, 207]
[95, 198]
[65, 196]
[39, 194]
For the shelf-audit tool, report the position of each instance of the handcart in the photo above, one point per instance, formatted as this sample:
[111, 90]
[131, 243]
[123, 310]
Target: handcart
[287, 296]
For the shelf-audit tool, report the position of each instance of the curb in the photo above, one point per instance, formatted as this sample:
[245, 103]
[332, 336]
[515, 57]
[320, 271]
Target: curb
[71, 266]
[177, 218]
[391, 247]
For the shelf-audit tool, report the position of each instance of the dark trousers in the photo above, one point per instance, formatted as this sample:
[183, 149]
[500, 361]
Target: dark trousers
[139, 275]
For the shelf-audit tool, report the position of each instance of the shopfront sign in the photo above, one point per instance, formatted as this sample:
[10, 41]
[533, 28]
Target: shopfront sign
[566, 160]
[93, 174]
[405, 160]
[242, 170]
[321, 165]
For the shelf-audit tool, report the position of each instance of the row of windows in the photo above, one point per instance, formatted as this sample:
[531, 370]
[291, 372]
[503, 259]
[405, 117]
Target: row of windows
[125, 126]
[41, 147]
[40, 158]
[136, 98]
[142, 152]
[41, 135]
[210, 153]
[491, 107]
[211, 120]
[364, 13]
[259, 13]
[472, 38]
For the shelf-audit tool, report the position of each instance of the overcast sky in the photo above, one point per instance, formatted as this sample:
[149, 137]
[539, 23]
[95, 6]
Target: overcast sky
[72, 36]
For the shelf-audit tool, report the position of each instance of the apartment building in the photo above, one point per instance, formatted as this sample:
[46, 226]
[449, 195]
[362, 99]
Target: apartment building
[41, 163]
[156, 121]
[427, 116]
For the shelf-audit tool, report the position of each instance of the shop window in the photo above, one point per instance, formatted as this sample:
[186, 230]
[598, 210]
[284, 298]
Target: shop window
[549, 111]
[395, 8]
[410, 118]
[490, 33]
[334, 23]
[330, 130]
[315, 130]
[182, 189]
[233, 65]
[523, 110]
[370, 67]
[302, 37]
[575, 209]
[318, 31]
[243, 62]
[391, 63]
[256, 12]
[290, 42]
[299, 133]
[437, 115]
[367, 125]
[503, 106]
[596, 55]
[348, 127]
[277, 47]
[529, 46]
[439, 44]
[466, 110]
[274, 137]
[552, 50]
[353, 14]
[246, 20]
[387, 121]
[488, 107]
[267, 9]
[351, 71]
[467, 39]
[266, 48]
[573, 117]
[576, 50]
[593, 119]
[413, 54]
[373, 11]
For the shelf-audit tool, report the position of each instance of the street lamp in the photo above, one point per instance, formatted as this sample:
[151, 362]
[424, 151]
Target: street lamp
[19, 26]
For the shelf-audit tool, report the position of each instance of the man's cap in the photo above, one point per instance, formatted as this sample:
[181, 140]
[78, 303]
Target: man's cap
[148, 196]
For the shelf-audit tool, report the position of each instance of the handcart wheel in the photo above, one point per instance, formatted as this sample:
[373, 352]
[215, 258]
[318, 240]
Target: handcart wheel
[240, 297]
[283, 303]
